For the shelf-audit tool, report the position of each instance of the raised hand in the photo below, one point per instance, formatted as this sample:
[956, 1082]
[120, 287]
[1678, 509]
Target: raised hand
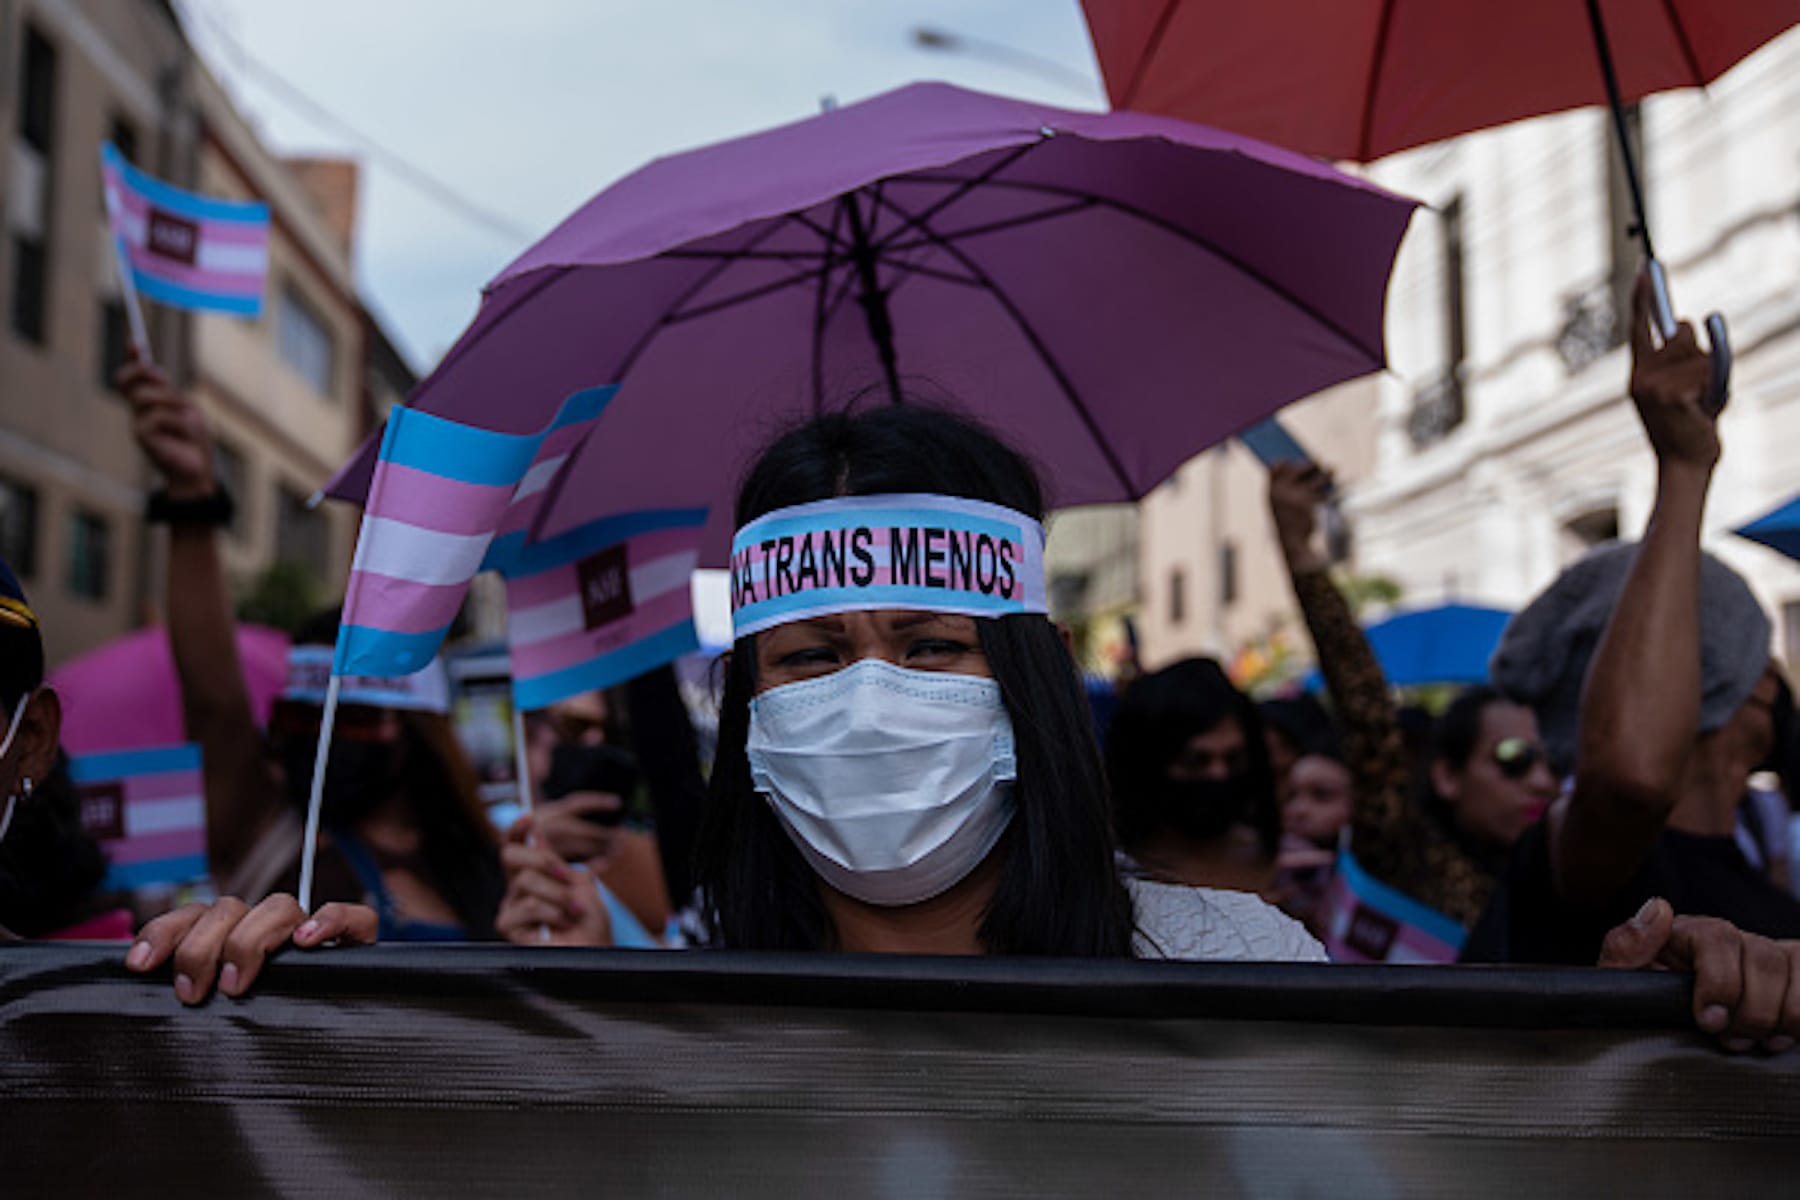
[1669, 386]
[169, 429]
[1296, 491]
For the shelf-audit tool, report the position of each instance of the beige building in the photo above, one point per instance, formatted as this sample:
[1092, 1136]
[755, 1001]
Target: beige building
[73, 75]
[289, 394]
[284, 393]
[1507, 444]
[1210, 575]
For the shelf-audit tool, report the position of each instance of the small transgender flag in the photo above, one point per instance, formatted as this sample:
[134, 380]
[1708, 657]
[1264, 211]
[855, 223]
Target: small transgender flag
[440, 492]
[601, 604]
[185, 250]
[147, 809]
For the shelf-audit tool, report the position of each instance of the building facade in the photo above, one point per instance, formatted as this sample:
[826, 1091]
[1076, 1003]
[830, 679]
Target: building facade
[1210, 575]
[288, 395]
[1507, 444]
[76, 74]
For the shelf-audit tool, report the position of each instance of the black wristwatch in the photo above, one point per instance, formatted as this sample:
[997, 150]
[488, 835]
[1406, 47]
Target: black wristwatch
[216, 509]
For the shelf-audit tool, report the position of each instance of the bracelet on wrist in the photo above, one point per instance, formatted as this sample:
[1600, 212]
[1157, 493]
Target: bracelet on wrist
[215, 509]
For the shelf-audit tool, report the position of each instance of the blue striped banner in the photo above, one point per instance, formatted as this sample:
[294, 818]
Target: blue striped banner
[164, 292]
[438, 446]
[117, 764]
[179, 203]
[363, 650]
[517, 558]
[644, 655]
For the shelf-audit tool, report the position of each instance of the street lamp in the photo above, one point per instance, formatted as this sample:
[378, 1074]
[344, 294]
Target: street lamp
[943, 41]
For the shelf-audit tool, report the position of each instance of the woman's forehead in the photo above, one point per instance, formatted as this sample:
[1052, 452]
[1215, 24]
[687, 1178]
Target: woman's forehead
[886, 620]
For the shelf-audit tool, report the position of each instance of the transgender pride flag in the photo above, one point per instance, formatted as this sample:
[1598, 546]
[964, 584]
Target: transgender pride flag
[185, 250]
[147, 809]
[601, 604]
[440, 492]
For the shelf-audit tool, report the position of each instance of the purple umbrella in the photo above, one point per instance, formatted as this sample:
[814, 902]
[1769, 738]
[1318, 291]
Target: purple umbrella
[1112, 292]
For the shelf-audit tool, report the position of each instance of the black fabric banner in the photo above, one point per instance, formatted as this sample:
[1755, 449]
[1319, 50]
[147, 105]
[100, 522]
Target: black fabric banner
[435, 1071]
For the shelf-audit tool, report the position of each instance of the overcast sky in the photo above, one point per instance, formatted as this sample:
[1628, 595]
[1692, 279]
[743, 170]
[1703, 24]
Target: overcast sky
[528, 107]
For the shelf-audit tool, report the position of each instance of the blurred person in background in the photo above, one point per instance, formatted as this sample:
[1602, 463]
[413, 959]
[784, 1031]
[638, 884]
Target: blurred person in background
[50, 869]
[1649, 668]
[1426, 844]
[1194, 794]
[403, 828]
[584, 783]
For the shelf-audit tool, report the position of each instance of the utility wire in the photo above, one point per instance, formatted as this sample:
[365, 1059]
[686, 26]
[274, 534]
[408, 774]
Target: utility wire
[421, 180]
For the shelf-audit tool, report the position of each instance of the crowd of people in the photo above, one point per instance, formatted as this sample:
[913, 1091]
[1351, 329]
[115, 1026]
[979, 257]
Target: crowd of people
[923, 779]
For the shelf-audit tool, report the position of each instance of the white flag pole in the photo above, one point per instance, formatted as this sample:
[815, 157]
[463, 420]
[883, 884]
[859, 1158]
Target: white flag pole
[134, 312]
[521, 760]
[522, 768]
[315, 798]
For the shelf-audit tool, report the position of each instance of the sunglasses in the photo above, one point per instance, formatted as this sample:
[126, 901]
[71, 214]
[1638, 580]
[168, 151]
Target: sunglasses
[1516, 756]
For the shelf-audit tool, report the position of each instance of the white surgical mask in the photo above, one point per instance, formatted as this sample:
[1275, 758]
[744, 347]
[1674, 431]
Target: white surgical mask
[12, 731]
[894, 784]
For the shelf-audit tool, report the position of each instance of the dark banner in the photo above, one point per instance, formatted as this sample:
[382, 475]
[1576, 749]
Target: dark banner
[437, 1071]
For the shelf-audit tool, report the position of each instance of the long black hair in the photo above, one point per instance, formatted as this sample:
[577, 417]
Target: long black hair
[1058, 892]
[1158, 715]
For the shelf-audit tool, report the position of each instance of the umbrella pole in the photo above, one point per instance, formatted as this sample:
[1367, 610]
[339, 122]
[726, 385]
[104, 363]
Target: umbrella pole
[1719, 386]
[1603, 48]
[873, 299]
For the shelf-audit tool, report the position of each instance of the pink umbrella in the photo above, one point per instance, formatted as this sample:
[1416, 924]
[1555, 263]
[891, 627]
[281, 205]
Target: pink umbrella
[124, 695]
[1113, 292]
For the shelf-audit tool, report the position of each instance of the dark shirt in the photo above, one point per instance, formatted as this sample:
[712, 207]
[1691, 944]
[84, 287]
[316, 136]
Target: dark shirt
[1526, 922]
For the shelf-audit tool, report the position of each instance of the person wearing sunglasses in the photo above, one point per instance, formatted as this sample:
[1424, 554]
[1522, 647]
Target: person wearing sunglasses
[1490, 772]
[1423, 848]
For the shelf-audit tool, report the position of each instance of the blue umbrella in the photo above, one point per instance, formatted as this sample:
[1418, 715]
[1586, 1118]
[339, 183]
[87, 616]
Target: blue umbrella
[1779, 530]
[1450, 643]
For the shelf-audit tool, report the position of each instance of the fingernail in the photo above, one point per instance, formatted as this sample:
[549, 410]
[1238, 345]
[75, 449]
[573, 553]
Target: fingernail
[1781, 1043]
[228, 979]
[573, 911]
[1714, 1018]
[1645, 913]
[139, 958]
[307, 932]
[1738, 1045]
[184, 989]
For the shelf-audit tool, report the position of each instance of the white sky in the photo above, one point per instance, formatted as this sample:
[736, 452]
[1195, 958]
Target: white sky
[528, 107]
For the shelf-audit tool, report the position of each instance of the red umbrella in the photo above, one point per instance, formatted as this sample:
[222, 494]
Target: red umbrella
[1359, 79]
[124, 695]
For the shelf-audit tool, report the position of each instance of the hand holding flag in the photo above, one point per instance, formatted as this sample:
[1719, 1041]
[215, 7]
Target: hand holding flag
[440, 492]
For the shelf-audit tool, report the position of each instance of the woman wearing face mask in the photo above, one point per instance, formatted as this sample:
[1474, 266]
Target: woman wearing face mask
[1193, 790]
[905, 759]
